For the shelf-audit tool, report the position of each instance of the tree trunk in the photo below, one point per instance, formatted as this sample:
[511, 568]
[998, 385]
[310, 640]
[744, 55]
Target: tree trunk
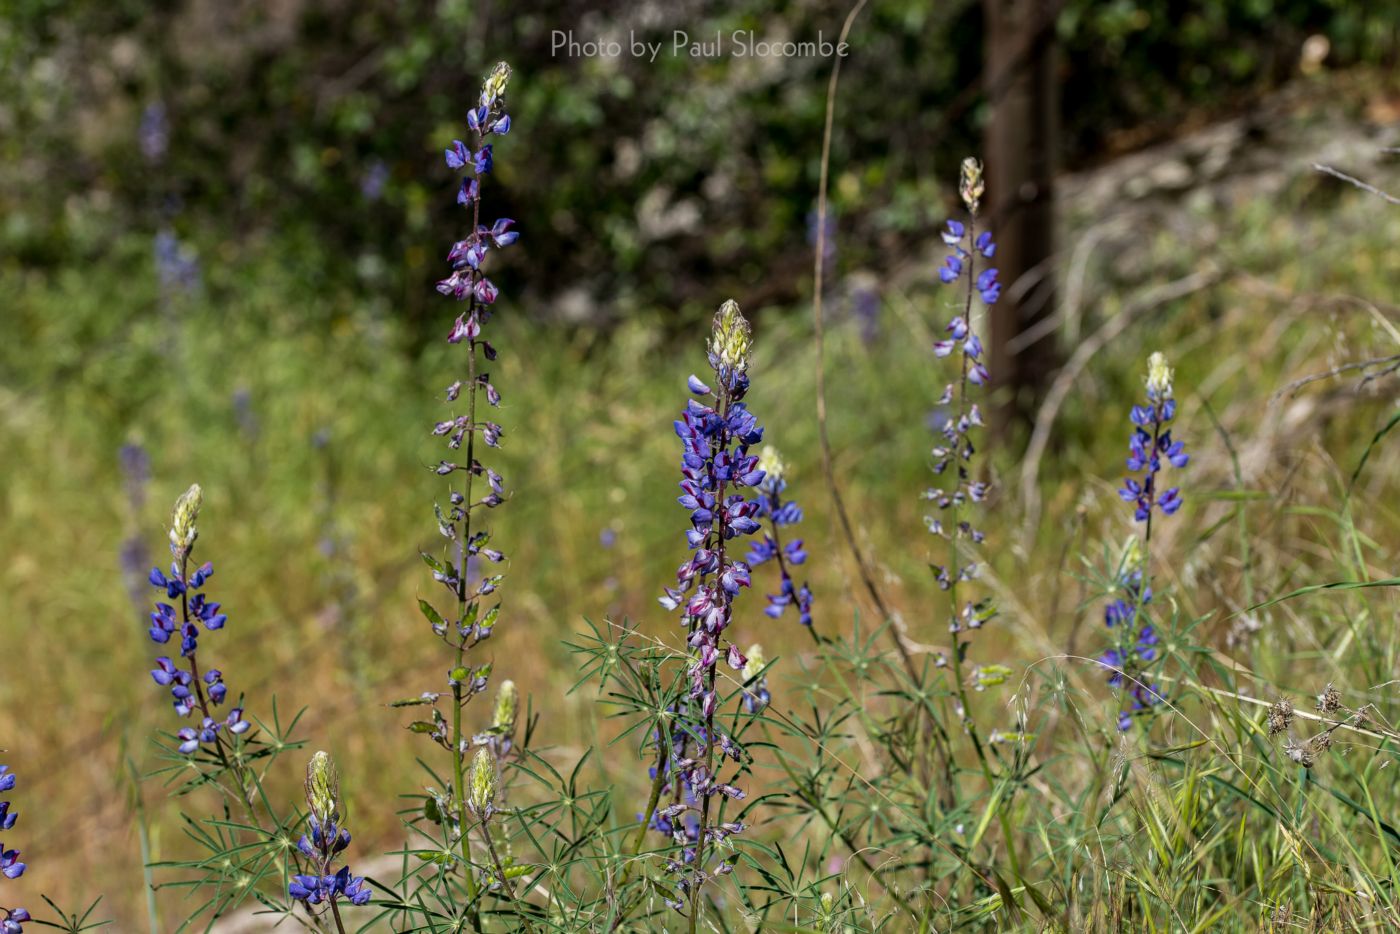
[1020, 146]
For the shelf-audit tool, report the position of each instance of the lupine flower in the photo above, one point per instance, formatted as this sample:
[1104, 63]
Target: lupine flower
[955, 449]
[482, 795]
[716, 432]
[153, 134]
[10, 865]
[1135, 640]
[756, 696]
[468, 283]
[828, 235]
[865, 305]
[372, 182]
[136, 471]
[325, 842]
[131, 557]
[780, 514]
[501, 737]
[177, 266]
[190, 690]
[1151, 442]
[469, 549]
[1135, 646]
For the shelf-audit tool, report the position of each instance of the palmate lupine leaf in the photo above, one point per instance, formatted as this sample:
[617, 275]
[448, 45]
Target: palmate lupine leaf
[74, 923]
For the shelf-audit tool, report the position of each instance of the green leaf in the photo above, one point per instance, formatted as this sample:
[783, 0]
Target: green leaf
[432, 615]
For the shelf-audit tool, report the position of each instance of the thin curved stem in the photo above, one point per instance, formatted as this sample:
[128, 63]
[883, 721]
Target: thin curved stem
[819, 334]
[501, 874]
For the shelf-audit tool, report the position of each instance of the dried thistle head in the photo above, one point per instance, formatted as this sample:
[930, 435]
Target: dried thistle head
[1322, 741]
[182, 520]
[1330, 700]
[1280, 717]
[971, 185]
[1302, 753]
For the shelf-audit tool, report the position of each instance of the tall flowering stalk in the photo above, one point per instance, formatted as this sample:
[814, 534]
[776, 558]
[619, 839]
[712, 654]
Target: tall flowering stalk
[217, 748]
[194, 691]
[1152, 442]
[327, 840]
[1150, 449]
[954, 454]
[716, 432]
[779, 514]
[10, 866]
[953, 460]
[470, 622]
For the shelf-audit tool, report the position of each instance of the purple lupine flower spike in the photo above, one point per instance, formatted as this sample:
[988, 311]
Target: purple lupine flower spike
[10, 865]
[716, 466]
[955, 450]
[1150, 444]
[190, 689]
[325, 842]
[780, 514]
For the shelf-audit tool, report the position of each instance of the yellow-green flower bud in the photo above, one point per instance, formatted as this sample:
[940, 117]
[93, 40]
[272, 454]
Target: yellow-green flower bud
[772, 463]
[1009, 738]
[989, 676]
[971, 186]
[1159, 378]
[507, 703]
[182, 519]
[755, 661]
[1132, 555]
[482, 794]
[322, 788]
[827, 902]
[732, 338]
[495, 84]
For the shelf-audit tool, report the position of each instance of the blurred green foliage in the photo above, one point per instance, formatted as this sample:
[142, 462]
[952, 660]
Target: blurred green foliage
[640, 185]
